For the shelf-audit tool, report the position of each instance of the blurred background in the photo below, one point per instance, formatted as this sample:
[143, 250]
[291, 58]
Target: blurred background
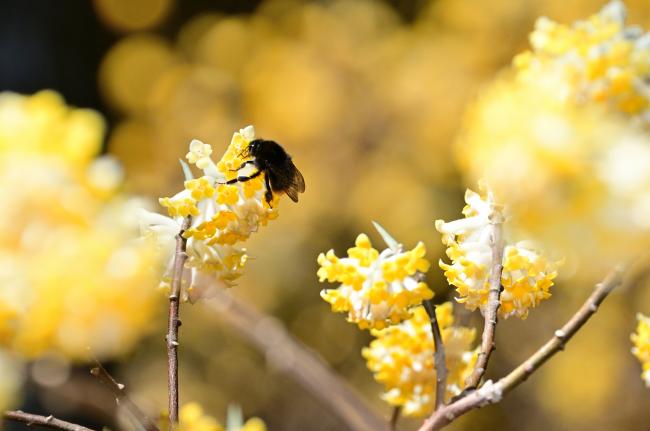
[369, 98]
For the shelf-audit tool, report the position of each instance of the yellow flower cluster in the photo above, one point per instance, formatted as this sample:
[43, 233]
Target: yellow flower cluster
[72, 275]
[223, 216]
[401, 358]
[527, 275]
[563, 138]
[376, 288]
[599, 60]
[641, 349]
[193, 418]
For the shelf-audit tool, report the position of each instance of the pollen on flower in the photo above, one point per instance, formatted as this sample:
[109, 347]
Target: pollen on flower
[223, 216]
[377, 288]
[641, 349]
[526, 277]
[401, 358]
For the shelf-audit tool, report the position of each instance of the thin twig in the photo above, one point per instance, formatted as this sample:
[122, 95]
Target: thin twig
[397, 410]
[43, 421]
[291, 357]
[491, 393]
[492, 308]
[121, 397]
[174, 322]
[438, 354]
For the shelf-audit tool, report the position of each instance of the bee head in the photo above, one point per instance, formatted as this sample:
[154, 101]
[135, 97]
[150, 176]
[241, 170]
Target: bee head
[251, 149]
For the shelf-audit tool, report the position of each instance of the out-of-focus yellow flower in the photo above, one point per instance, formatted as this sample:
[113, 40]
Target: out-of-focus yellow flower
[377, 289]
[563, 138]
[72, 275]
[223, 216]
[527, 275]
[193, 418]
[641, 349]
[598, 60]
[12, 378]
[401, 358]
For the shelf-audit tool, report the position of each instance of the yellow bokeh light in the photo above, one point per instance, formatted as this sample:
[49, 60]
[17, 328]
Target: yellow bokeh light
[128, 15]
[130, 70]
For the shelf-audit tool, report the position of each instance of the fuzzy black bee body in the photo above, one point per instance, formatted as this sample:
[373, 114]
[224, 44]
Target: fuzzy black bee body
[280, 174]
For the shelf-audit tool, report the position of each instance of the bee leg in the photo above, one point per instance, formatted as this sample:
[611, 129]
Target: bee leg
[242, 179]
[268, 195]
[248, 162]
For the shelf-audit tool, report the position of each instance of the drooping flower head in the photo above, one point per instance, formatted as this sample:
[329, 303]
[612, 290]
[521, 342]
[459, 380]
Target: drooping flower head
[641, 349]
[562, 137]
[401, 358]
[377, 288]
[527, 275]
[223, 216]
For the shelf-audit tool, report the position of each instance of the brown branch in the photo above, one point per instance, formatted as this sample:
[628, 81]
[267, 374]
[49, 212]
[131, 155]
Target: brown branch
[174, 322]
[491, 310]
[438, 354]
[121, 397]
[43, 421]
[394, 418]
[291, 357]
[491, 393]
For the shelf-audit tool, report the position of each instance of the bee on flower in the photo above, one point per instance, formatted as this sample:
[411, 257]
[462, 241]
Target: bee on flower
[377, 288]
[223, 216]
[641, 349]
[401, 358]
[526, 277]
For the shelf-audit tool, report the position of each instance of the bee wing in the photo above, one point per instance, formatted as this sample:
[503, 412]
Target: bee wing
[294, 182]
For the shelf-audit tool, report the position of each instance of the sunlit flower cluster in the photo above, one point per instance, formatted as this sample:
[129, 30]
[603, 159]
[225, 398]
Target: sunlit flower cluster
[377, 288]
[641, 349]
[600, 59]
[553, 137]
[193, 418]
[72, 275]
[527, 275]
[222, 217]
[401, 358]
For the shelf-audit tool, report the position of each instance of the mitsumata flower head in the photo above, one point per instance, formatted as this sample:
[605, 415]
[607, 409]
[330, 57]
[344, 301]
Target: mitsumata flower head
[562, 137]
[527, 275]
[377, 288]
[72, 274]
[401, 358]
[641, 349]
[601, 59]
[223, 217]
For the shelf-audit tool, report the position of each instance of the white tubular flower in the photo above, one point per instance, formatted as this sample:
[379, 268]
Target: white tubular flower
[223, 216]
[377, 289]
[527, 275]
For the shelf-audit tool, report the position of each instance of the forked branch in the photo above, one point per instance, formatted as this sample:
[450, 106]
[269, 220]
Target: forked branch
[491, 393]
